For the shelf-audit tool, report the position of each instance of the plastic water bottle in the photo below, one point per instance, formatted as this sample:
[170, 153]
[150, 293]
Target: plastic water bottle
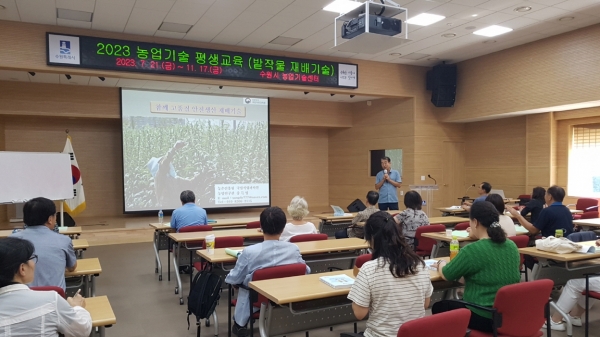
[160, 216]
[454, 247]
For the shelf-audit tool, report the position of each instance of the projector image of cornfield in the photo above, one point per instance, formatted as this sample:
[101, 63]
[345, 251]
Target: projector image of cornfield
[213, 152]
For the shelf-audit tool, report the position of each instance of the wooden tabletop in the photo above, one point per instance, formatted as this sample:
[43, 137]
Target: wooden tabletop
[231, 223]
[307, 287]
[89, 266]
[69, 230]
[306, 248]
[5, 233]
[80, 244]
[575, 211]
[199, 236]
[441, 236]
[563, 257]
[451, 210]
[100, 310]
[330, 216]
[444, 220]
[588, 222]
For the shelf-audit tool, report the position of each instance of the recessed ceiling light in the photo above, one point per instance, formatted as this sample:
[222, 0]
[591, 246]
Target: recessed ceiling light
[425, 19]
[69, 14]
[522, 9]
[566, 18]
[342, 6]
[449, 35]
[174, 27]
[395, 54]
[492, 31]
[474, 15]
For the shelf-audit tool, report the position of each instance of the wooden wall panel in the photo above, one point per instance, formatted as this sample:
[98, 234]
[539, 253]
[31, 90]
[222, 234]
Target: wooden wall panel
[97, 145]
[386, 124]
[287, 112]
[531, 76]
[495, 152]
[299, 166]
[3, 208]
[540, 159]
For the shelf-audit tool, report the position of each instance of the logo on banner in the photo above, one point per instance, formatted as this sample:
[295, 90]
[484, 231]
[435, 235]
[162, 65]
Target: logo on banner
[65, 47]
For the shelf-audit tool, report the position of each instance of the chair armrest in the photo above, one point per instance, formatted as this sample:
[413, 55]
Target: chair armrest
[591, 208]
[569, 205]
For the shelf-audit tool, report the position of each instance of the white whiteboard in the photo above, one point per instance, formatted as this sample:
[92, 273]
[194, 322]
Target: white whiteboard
[27, 175]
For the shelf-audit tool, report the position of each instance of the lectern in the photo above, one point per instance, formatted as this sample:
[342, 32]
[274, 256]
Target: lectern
[426, 192]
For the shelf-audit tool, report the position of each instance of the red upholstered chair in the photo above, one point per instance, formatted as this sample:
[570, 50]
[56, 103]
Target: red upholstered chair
[448, 324]
[589, 294]
[425, 245]
[277, 272]
[253, 224]
[308, 237]
[515, 301]
[195, 228]
[461, 226]
[59, 290]
[360, 260]
[588, 215]
[521, 241]
[585, 205]
[524, 199]
[221, 242]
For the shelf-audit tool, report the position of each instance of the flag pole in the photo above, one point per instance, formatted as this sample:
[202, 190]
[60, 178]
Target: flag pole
[62, 214]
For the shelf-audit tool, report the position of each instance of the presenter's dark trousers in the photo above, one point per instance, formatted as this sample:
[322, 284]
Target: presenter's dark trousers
[392, 206]
[476, 322]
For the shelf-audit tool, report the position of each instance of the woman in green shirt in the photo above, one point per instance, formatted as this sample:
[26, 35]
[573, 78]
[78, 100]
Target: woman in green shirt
[486, 265]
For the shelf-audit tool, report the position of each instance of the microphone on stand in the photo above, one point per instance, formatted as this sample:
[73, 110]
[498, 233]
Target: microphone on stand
[466, 196]
[434, 181]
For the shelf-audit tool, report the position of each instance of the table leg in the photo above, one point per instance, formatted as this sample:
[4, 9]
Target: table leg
[93, 288]
[157, 264]
[101, 331]
[434, 250]
[86, 286]
[261, 321]
[178, 289]
[191, 267]
[169, 247]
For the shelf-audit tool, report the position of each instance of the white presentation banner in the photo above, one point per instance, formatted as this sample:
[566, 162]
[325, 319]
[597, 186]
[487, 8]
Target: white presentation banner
[241, 194]
[198, 109]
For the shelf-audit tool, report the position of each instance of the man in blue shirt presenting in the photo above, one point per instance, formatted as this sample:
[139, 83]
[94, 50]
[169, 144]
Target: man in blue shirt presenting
[386, 182]
[189, 213]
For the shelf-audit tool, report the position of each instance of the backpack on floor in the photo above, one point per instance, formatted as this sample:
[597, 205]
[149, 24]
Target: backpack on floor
[205, 292]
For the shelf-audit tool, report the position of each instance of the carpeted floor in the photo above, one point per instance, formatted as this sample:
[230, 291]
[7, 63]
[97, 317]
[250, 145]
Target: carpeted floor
[145, 306]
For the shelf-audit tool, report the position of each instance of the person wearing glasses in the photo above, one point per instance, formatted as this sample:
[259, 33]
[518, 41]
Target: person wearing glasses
[24, 312]
[55, 251]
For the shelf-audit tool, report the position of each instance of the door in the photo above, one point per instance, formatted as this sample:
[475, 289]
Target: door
[453, 185]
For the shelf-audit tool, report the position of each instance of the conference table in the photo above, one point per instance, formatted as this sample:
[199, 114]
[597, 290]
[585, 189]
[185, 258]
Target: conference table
[79, 245]
[183, 239]
[447, 220]
[102, 314]
[161, 240]
[462, 238]
[87, 269]
[588, 224]
[303, 303]
[72, 232]
[330, 223]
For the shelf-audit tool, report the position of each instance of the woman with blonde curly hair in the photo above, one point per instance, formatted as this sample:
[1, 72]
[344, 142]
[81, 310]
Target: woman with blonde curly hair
[297, 209]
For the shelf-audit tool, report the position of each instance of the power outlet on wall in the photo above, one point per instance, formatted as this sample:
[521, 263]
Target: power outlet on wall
[422, 177]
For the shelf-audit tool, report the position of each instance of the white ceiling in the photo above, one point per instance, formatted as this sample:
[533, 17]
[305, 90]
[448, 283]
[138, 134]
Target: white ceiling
[23, 76]
[253, 23]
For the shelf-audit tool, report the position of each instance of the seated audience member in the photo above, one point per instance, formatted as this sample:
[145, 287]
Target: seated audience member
[536, 204]
[572, 301]
[394, 287]
[356, 230]
[55, 251]
[484, 190]
[297, 209]
[24, 312]
[506, 222]
[412, 217]
[486, 265]
[189, 214]
[269, 253]
[554, 217]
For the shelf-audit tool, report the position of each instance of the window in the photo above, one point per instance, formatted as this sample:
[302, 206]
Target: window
[584, 161]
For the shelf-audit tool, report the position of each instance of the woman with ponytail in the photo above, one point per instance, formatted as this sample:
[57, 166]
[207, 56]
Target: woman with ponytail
[24, 312]
[486, 265]
[394, 287]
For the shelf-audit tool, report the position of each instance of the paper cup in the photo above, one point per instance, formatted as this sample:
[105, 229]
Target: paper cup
[210, 244]
[448, 232]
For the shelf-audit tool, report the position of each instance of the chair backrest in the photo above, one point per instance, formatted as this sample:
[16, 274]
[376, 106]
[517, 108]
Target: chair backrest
[583, 203]
[519, 300]
[288, 270]
[195, 228]
[588, 215]
[521, 241]
[582, 236]
[361, 259]
[308, 237]
[59, 290]
[253, 224]
[461, 226]
[448, 324]
[425, 244]
[227, 242]
[524, 199]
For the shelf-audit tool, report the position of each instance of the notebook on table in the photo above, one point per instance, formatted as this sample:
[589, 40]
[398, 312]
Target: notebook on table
[338, 281]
